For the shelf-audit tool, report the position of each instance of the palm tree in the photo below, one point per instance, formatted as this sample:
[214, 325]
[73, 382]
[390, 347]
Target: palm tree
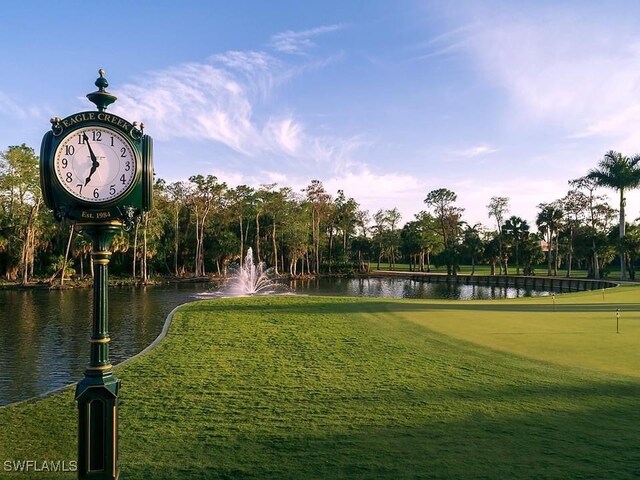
[492, 253]
[548, 222]
[516, 229]
[473, 244]
[619, 172]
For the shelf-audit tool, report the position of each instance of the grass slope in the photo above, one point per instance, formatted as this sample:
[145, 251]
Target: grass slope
[320, 387]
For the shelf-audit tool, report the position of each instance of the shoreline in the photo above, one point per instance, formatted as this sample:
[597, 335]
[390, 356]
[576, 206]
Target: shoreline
[87, 282]
[114, 281]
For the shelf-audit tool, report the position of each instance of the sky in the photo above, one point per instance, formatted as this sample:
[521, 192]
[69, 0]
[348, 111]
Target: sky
[385, 100]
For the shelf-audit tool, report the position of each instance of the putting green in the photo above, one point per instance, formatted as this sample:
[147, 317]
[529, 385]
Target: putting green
[577, 330]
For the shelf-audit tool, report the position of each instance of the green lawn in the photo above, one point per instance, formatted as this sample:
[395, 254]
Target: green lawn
[320, 387]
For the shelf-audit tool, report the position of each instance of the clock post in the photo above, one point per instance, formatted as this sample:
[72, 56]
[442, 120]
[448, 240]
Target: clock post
[97, 393]
[97, 169]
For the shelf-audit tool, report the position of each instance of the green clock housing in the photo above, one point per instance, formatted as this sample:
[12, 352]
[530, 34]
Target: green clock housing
[96, 166]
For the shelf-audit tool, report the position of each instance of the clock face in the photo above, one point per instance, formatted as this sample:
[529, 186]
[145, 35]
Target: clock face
[95, 164]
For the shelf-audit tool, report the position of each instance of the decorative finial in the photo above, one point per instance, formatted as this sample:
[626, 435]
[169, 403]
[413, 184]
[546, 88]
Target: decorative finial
[55, 125]
[101, 98]
[101, 82]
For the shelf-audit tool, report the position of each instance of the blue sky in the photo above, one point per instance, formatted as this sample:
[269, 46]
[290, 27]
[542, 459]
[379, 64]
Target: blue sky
[386, 100]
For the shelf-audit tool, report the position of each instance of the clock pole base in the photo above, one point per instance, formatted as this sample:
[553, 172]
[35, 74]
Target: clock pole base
[97, 398]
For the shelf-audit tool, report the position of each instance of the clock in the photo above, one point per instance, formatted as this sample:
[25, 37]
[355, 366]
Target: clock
[96, 164]
[97, 167]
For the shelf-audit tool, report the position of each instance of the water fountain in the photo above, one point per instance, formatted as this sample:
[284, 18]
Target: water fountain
[250, 279]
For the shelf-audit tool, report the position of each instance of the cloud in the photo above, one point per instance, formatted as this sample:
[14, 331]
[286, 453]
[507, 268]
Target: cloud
[565, 66]
[260, 71]
[380, 190]
[193, 101]
[286, 135]
[298, 42]
[214, 101]
[447, 43]
[12, 108]
[225, 100]
[617, 125]
[523, 193]
[372, 190]
[476, 151]
[363, 183]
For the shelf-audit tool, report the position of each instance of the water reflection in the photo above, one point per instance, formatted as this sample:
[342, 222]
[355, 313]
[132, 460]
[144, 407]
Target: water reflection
[407, 288]
[44, 334]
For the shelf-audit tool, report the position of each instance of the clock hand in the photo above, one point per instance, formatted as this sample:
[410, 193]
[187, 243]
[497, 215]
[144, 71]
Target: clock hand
[91, 172]
[94, 160]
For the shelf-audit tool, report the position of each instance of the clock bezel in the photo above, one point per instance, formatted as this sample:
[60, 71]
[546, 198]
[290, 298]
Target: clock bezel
[122, 133]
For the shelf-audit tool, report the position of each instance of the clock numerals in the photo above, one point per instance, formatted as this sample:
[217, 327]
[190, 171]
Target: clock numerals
[96, 136]
[95, 165]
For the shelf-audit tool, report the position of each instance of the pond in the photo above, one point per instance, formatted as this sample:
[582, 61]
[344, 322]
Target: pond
[44, 333]
[394, 287]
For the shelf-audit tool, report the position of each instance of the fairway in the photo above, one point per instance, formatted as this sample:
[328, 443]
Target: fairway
[321, 387]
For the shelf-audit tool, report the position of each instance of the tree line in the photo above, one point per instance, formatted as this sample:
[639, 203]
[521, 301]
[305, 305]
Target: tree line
[201, 226]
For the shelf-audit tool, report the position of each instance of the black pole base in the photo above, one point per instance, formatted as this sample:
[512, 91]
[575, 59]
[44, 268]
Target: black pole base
[97, 398]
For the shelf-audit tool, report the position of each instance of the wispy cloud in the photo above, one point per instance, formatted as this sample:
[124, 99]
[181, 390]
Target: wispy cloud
[194, 101]
[446, 43]
[214, 101]
[562, 66]
[226, 100]
[13, 108]
[298, 42]
[285, 134]
[260, 72]
[477, 151]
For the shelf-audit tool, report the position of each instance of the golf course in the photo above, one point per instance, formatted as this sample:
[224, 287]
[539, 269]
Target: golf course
[306, 387]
